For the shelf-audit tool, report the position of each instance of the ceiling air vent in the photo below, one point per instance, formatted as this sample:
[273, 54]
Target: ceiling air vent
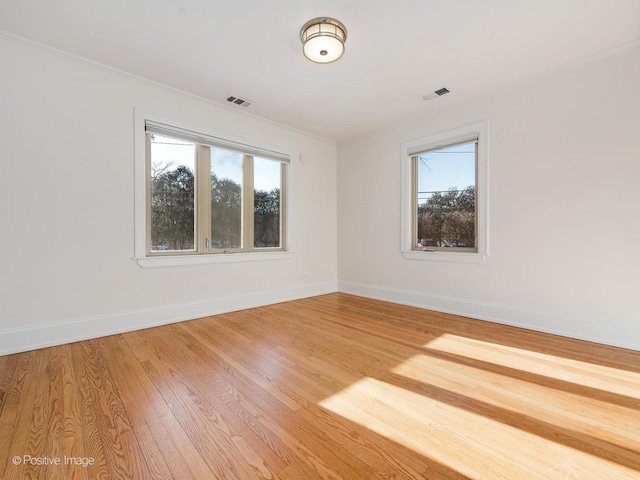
[435, 94]
[243, 102]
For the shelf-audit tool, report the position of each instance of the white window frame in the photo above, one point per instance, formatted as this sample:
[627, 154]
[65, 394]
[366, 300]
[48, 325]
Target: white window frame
[141, 252]
[482, 194]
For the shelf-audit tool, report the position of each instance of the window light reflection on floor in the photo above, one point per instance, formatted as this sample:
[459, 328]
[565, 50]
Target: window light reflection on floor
[608, 379]
[460, 434]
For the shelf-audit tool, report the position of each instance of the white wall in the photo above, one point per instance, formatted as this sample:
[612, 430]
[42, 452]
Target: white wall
[564, 227]
[66, 207]
[564, 207]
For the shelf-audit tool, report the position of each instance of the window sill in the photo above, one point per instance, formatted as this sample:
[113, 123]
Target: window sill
[459, 257]
[181, 260]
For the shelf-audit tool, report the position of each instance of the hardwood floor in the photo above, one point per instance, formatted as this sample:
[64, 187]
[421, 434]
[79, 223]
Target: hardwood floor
[328, 387]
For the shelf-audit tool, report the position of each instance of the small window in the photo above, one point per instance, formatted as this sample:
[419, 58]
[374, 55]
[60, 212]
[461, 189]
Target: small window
[445, 196]
[208, 195]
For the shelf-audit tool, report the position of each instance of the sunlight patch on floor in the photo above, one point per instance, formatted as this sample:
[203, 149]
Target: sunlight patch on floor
[461, 439]
[512, 399]
[609, 379]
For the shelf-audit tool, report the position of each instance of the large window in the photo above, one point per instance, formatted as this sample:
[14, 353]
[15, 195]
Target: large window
[445, 192]
[208, 195]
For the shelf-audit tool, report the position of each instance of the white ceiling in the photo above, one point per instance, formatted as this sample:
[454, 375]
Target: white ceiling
[395, 51]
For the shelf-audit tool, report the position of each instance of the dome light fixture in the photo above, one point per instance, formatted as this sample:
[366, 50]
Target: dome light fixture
[323, 39]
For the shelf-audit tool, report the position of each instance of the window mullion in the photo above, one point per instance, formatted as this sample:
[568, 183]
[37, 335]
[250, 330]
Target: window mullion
[283, 206]
[147, 146]
[203, 199]
[414, 201]
[248, 203]
[478, 207]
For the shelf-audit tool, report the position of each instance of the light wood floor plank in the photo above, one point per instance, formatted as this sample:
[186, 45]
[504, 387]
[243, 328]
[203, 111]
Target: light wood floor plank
[16, 415]
[273, 417]
[223, 399]
[330, 387]
[73, 433]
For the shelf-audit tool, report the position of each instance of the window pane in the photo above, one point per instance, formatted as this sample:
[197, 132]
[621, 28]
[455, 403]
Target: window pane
[226, 199]
[446, 197]
[172, 194]
[267, 183]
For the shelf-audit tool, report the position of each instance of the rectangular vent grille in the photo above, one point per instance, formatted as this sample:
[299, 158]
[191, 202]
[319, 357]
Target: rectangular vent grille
[243, 102]
[435, 94]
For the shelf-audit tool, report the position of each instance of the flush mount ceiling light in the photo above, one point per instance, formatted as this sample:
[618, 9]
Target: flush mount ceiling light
[323, 39]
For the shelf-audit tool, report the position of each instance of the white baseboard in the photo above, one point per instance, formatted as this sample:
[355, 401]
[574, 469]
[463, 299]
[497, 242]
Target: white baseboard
[46, 335]
[557, 324]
